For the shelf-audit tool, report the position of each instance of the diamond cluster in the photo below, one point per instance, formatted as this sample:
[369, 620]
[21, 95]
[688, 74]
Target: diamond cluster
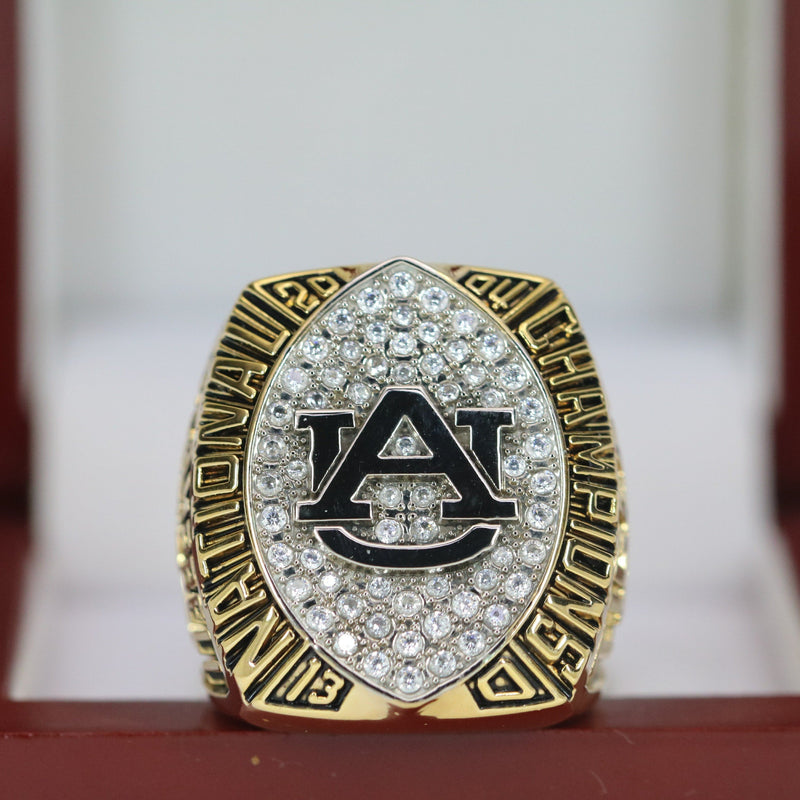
[408, 633]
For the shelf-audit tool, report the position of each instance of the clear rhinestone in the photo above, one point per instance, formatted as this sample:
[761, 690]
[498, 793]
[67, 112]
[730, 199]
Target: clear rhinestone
[346, 644]
[406, 446]
[423, 496]
[492, 398]
[486, 579]
[279, 414]
[350, 606]
[409, 679]
[377, 664]
[402, 344]
[447, 392]
[403, 315]
[513, 377]
[297, 470]
[540, 516]
[465, 322]
[471, 643]
[280, 555]
[515, 466]
[474, 374]
[434, 299]
[334, 378]
[272, 447]
[497, 617]
[359, 393]
[534, 552]
[329, 582]
[544, 482]
[273, 518]
[377, 332]
[456, 350]
[315, 348]
[351, 350]
[269, 484]
[312, 559]
[298, 589]
[380, 587]
[389, 531]
[437, 625]
[295, 380]
[390, 496]
[429, 332]
[539, 446]
[376, 366]
[402, 284]
[531, 409]
[431, 364]
[371, 300]
[319, 619]
[407, 603]
[502, 557]
[424, 529]
[404, 373]
[518, 586]
[437, 587]
[492, 346]
[442, 664]
[316, 400]
[466, 604]
[408, 644]
[378, 626]
[341, 321]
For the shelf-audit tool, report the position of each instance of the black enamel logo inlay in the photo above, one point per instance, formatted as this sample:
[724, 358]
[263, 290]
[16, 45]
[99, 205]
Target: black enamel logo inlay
[338, 473]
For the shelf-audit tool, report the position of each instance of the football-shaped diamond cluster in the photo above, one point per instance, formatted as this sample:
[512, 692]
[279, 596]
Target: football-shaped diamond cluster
[408, 633]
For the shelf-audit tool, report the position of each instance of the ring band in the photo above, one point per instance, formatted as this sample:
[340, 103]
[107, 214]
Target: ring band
[402, 505]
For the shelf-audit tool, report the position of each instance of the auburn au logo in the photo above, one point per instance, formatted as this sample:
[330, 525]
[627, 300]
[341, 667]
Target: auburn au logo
[337, 474]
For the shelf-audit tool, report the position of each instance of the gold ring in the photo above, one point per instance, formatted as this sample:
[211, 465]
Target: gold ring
[402, 505]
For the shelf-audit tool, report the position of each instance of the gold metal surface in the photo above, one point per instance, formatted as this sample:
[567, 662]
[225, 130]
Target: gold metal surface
[259, 667]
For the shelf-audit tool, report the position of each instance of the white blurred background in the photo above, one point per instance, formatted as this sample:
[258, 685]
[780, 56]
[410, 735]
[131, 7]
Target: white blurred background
[175, 151]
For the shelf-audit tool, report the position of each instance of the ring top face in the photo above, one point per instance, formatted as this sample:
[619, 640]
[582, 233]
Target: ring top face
[402, 504]
[405, 482]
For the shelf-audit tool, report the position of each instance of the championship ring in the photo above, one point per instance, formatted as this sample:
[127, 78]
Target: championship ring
[402, 504]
